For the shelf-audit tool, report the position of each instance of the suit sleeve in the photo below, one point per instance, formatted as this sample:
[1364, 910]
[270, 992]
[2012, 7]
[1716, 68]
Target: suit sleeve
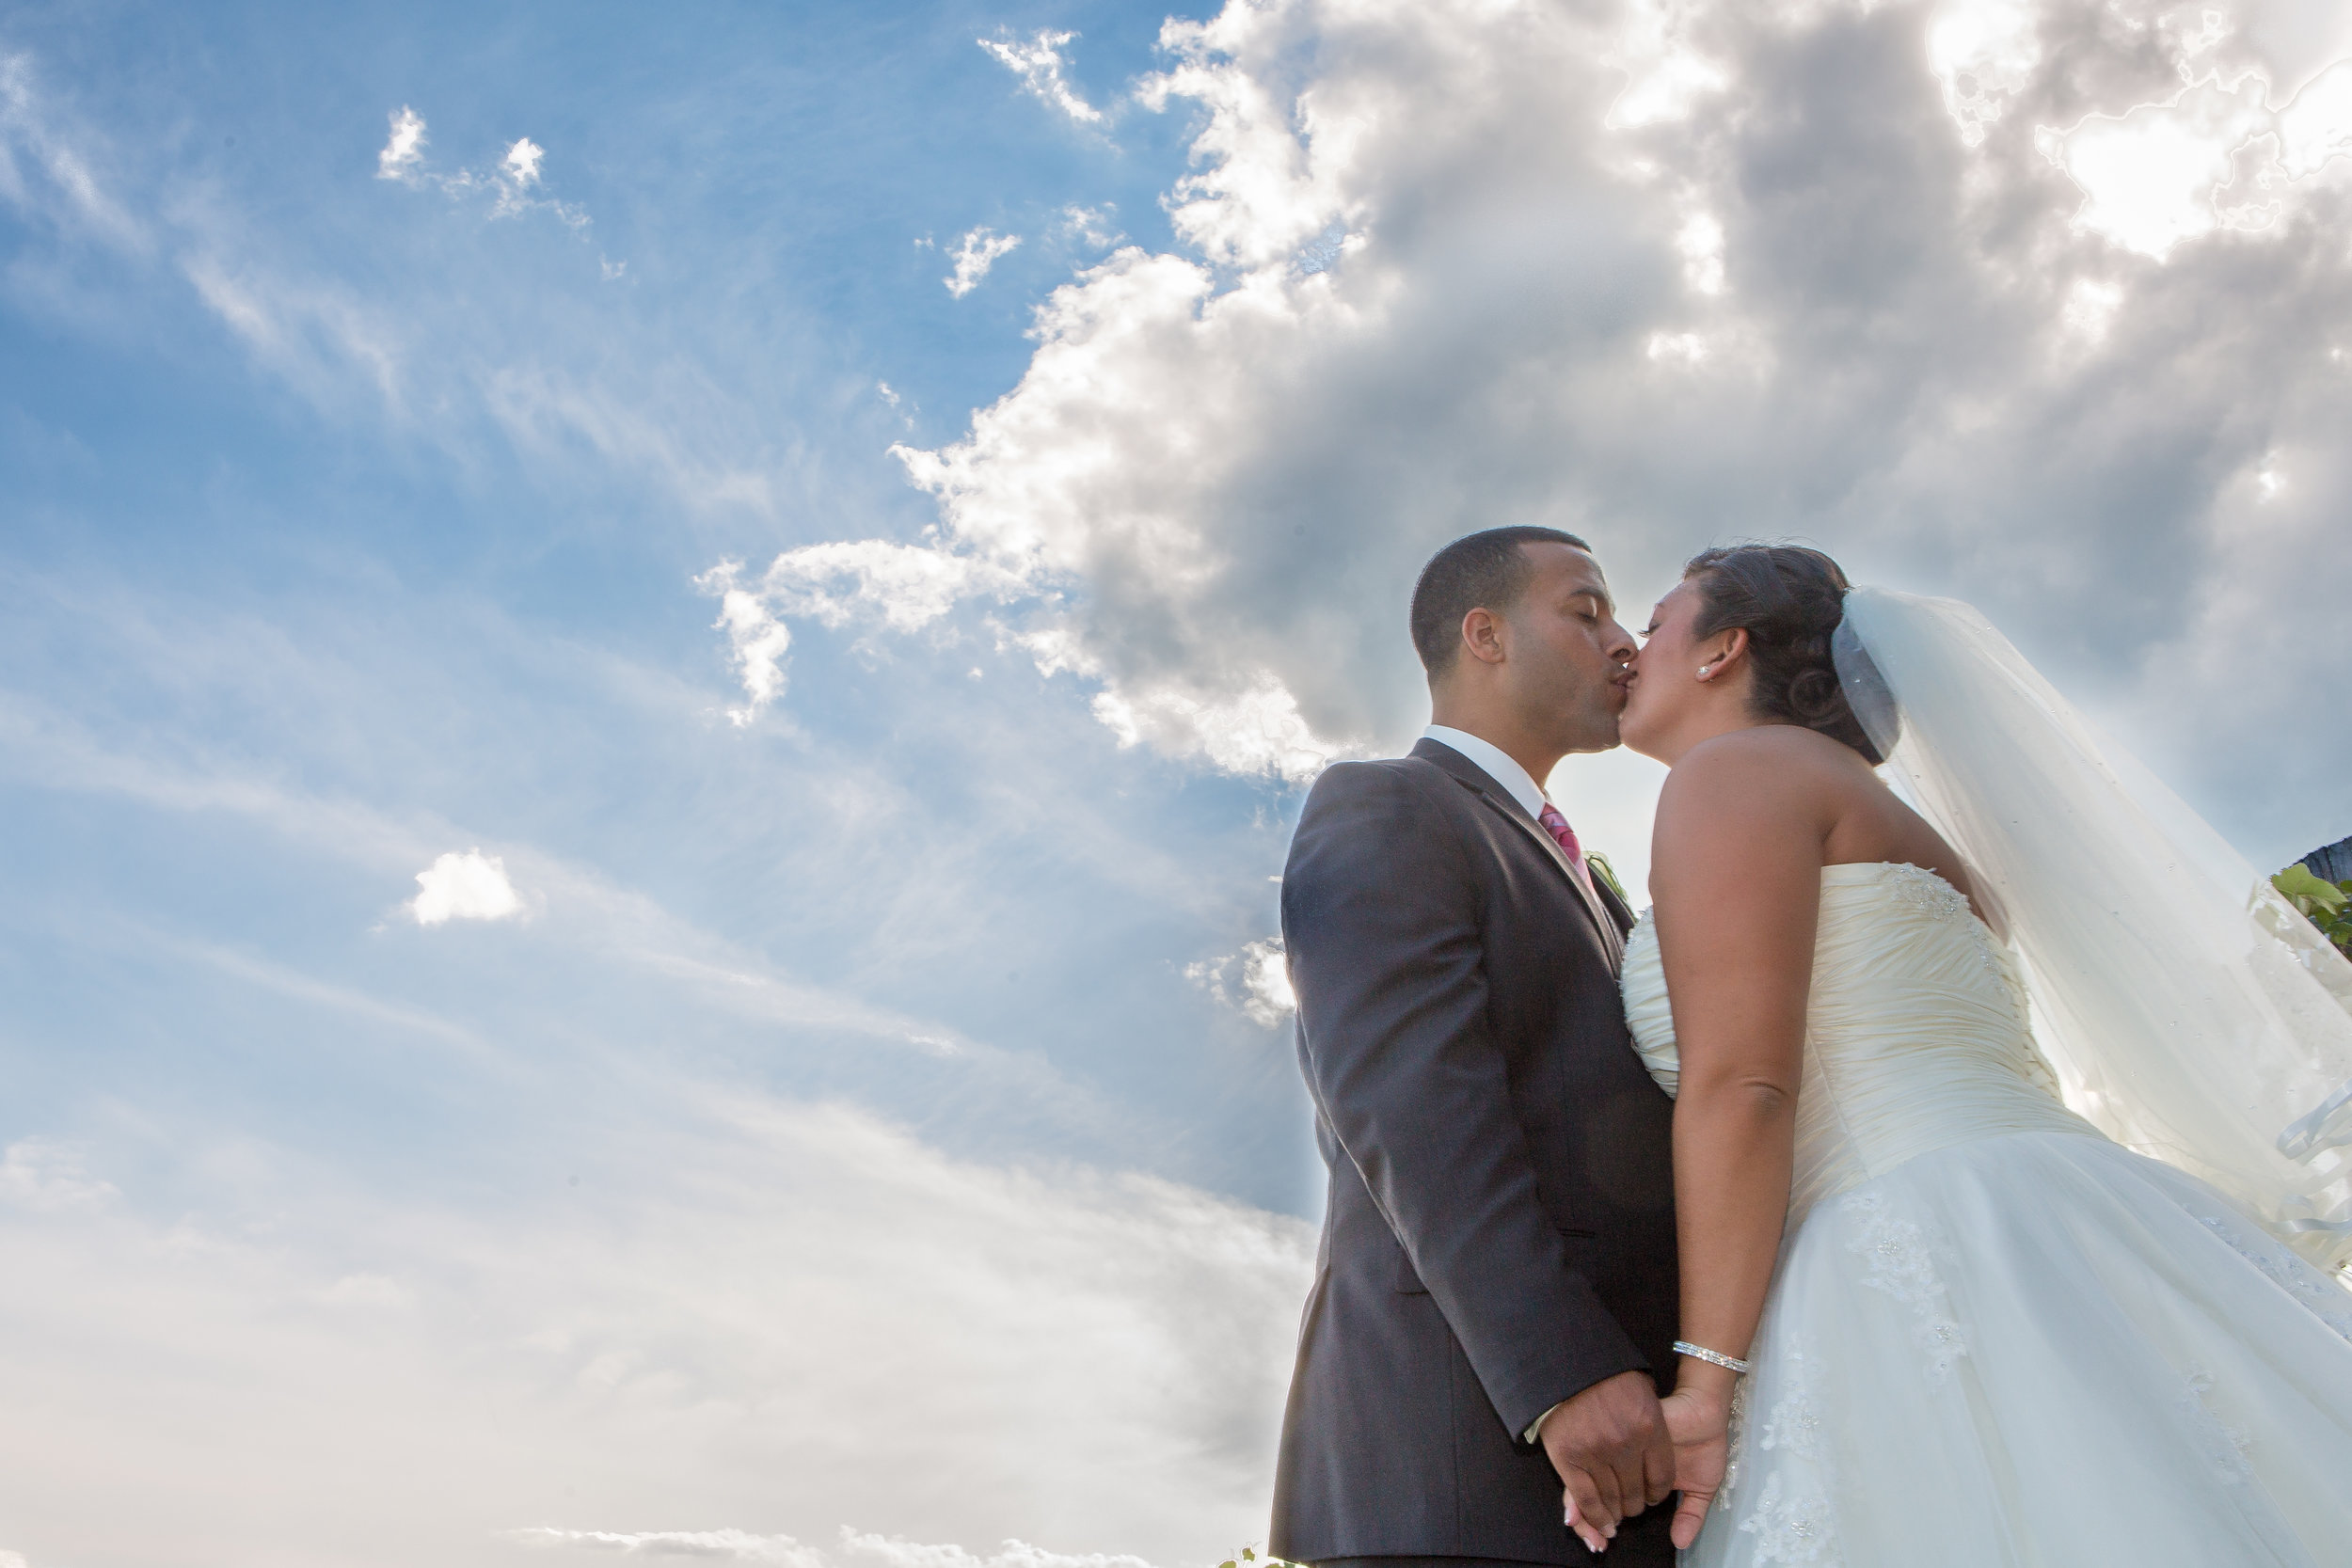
[1380, 921]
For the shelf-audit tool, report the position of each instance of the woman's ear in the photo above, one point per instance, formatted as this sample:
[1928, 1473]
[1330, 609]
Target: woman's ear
[1723, 651]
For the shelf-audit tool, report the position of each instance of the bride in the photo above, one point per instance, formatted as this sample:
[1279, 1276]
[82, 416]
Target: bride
[2010, 1140]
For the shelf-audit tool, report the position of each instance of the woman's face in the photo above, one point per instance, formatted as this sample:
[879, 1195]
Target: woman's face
[1665, 679]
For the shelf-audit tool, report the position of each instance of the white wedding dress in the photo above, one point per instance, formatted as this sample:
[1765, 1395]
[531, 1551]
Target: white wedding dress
[1995, 1337]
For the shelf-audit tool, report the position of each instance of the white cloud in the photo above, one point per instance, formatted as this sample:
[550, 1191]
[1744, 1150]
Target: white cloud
[750, 1310]
[522, 162]
[1665, 73]
[1984, 51]
[1266, 980]
[2214, 156]
[50, 171]
[1700, 241]
[1039, 63]
[757, 641]
[2152, 176]
[725, 1545]
[1257, 980]
[670, 423]
[1697, 320]
[404, 151]
[46, 1176]
[1095, 227]
[906, 586]
[509, 183]
[1676, 348]
[318, 337]
[872, 583]
[855, 1549]
[2316, 128]
[1256, 730]
[881, 1551]
[468, 886]
[2090, 307]
[974, 253]
[368, 1290]
[2270, 478]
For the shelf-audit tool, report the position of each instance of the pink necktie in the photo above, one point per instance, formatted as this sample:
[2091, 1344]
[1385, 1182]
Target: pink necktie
[1557, 826]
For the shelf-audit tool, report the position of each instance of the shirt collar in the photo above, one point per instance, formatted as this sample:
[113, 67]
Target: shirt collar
[1496, 763]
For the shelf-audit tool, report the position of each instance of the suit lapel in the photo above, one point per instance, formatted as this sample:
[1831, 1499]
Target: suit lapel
[1498, 799]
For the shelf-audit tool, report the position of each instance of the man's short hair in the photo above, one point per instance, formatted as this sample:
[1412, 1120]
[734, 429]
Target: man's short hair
[1479, 571]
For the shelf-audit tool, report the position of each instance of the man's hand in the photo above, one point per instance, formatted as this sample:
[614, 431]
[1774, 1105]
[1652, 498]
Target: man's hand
[1609, 1446]
[1699, 1422]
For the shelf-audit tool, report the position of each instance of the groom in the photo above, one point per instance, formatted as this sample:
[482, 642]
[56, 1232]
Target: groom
[1496, 1284]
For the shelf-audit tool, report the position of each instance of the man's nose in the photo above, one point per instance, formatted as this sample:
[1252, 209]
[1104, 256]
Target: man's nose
[1620, 644]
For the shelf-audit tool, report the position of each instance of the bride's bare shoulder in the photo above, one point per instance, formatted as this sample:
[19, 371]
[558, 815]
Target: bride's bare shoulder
[1775, 756]
[1769, 777]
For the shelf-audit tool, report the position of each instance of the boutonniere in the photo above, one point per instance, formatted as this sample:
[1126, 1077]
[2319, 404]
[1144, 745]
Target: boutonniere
[1598, 866]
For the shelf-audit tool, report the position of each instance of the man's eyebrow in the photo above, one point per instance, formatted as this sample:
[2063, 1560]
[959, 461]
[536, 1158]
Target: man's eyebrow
[1599, 596]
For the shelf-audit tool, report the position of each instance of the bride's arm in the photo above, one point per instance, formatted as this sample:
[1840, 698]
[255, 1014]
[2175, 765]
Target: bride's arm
[1736, 878]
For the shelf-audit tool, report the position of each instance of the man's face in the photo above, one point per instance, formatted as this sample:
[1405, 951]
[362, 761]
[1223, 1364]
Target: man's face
[1568, 655]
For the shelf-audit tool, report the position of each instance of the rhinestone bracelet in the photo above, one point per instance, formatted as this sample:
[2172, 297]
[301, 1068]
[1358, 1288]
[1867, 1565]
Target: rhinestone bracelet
[1684, 1347]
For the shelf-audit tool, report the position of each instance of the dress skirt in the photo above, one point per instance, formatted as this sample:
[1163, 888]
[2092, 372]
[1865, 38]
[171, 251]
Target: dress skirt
[2041, 1349]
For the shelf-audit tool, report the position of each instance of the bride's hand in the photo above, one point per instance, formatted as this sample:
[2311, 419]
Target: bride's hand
[1698, 1420]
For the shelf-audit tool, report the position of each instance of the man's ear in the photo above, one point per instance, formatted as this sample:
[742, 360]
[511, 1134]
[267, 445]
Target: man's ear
[1484, 636]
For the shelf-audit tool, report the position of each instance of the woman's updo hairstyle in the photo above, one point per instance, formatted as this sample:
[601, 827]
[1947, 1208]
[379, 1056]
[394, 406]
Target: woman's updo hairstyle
[1791, 599]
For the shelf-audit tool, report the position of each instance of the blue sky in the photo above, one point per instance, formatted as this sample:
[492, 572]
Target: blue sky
[394, 602]
[828, 1100]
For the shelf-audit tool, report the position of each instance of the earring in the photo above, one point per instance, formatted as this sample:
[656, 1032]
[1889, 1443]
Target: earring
[1705, 671]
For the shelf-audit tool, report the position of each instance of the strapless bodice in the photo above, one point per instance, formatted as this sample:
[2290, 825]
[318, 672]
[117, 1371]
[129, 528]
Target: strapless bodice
[1915, 1035]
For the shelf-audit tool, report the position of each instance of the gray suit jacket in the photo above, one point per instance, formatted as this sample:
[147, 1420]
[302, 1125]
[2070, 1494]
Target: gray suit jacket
[1498, 1232]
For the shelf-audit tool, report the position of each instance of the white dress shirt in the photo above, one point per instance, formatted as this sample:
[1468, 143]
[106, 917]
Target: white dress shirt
[1499, 766]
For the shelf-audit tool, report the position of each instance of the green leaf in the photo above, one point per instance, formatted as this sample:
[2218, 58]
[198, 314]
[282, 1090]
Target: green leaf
[2308, 893]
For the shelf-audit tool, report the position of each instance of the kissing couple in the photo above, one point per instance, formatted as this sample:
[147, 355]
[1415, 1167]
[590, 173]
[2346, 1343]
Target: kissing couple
[1949, 1170]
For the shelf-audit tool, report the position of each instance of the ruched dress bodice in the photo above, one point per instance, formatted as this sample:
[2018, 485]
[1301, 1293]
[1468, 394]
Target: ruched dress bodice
[1917, 1035]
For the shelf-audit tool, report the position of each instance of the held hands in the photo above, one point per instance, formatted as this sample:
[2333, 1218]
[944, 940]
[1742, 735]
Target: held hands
[1698, 1420]
[1611, 1447]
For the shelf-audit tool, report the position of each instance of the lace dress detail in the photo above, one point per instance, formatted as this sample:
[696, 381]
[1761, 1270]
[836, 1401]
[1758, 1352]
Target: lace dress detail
[2225, 1447]
[1793, 1527]
[1794, 1425]
[2331, 1304]
[1895, 1254]
[1928, 893]
[1736, 1439]
[1792, 1519]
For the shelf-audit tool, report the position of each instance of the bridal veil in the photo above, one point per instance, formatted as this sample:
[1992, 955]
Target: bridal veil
[2190, 1012]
